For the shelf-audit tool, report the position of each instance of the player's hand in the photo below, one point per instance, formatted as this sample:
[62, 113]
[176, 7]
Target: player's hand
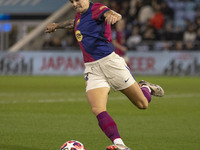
[112, 17]
[51, 28]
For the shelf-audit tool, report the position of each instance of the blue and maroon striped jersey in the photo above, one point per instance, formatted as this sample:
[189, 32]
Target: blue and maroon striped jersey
[93, 33]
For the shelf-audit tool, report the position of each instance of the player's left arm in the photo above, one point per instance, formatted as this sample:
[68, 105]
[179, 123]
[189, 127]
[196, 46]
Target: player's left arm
[111, 17]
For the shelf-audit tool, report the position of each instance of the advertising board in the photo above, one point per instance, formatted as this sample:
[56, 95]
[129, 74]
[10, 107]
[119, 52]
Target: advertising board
[71, 63]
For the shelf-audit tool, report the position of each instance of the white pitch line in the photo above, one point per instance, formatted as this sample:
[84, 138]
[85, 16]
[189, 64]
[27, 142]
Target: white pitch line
[8, 94]
[78, 97]
[187, 95]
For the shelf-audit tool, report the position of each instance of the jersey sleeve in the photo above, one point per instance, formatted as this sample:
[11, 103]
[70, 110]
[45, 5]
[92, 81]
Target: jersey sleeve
[98, 10]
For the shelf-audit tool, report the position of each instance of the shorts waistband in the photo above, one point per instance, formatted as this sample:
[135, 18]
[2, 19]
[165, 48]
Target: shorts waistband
[113, 54]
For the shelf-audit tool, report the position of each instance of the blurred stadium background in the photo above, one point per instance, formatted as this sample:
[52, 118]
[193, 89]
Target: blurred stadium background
[162, 37]
[42, 88]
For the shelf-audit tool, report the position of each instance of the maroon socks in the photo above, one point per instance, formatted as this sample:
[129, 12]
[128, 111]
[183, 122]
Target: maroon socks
[108, 126]
[146, 93]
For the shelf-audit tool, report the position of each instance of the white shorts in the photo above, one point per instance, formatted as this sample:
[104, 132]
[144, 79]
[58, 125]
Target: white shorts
[108, 71]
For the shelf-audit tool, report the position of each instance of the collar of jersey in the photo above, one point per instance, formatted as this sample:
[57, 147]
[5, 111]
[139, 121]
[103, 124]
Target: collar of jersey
[91, 3]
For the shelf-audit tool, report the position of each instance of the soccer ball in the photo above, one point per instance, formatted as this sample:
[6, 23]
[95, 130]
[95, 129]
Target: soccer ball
[72, 145]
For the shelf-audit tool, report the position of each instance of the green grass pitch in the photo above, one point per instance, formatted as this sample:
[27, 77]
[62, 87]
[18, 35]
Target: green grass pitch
[43, 112]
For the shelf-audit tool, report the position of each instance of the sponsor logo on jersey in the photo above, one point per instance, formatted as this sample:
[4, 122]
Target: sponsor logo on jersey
[79, 36]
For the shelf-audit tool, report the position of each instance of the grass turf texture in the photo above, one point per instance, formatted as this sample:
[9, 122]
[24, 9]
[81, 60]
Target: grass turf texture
[41, 113]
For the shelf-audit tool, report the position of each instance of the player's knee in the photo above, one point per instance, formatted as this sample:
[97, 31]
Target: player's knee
[143, 104]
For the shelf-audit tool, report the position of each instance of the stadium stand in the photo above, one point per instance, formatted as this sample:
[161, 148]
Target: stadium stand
[179, 17]
[30, 6]
[23, 16]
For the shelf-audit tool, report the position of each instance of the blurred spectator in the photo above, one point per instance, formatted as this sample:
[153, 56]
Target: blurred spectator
[198, 39]
[168, 33]
[167, 11]
[158, 45]
[114, 5]
[198, 35]
[179, 46]
[197, 22]
[149, 34]
[189, 45]
[47, 42]
[56, 42]
[166, 46]
[189, 34]
[52, 43]
[145, 14]
[135, 38]
[69, 41]
[135, 6]
[124, 9]
[147, 2]
[162, 45]
[157, 21]
[187, 23]
[118, 38]
[178, 34]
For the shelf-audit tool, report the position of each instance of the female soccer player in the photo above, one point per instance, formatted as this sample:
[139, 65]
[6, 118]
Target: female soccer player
[103, 67]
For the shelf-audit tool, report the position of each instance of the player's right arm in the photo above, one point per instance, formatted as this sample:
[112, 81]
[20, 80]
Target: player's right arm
[69, 24]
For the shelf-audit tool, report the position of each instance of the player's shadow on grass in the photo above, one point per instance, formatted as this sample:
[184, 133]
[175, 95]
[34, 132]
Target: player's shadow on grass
[17, 147]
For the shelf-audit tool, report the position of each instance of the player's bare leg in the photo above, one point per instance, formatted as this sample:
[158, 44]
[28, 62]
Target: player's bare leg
[136, 96]
[97, 99]
[140, 94]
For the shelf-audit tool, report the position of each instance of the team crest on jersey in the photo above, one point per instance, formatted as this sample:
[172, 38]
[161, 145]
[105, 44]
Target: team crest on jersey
[79, 36]
[78, 21]
[102, 7]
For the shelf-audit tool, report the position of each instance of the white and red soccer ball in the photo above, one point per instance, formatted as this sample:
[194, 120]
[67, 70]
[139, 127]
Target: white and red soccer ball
[72, 145]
